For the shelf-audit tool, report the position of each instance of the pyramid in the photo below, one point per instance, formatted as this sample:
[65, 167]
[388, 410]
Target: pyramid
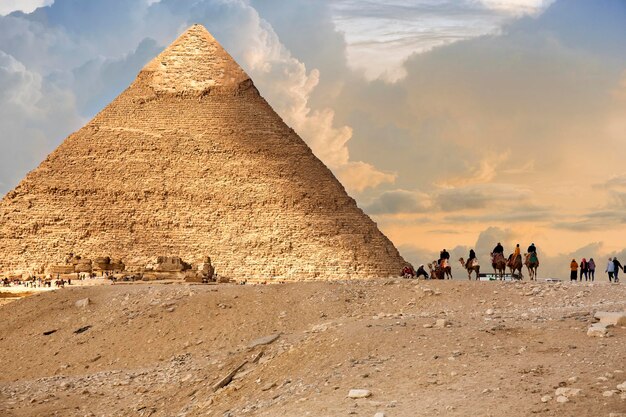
[191, 161]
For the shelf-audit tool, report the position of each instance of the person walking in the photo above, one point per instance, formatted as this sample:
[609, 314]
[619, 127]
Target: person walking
[591, 266]
[584, 267]
[573, 266]
[618, 267]
[610, 269]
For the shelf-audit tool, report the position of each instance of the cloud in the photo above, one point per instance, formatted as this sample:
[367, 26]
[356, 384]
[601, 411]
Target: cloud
[8, 6]
[78, 49]
[400, 201]
[34, 112]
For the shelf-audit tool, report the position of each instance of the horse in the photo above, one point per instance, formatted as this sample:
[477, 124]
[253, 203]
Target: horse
[532, 265]
[499, 265]
[472, 267]
[515, 265]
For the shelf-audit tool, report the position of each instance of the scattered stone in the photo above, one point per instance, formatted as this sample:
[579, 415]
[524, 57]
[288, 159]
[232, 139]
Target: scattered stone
[380, 414]
[597, 330]
[359, 393]
[622, 386]
[562, 399]
[442, 323]
[49, 332]
[262, 341]
[609, 393]
[611, 318]
[567, 392]
[572, 380]
[428, 326]
[82, 303]
[546, 398]
[489, 312]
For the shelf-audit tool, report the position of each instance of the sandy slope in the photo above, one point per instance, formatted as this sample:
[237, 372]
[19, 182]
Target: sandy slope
[158, 350]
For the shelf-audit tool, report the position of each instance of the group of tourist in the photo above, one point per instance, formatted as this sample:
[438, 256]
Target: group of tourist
[588, 269]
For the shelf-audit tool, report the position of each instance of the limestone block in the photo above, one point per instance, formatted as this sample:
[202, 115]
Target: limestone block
[611, 318]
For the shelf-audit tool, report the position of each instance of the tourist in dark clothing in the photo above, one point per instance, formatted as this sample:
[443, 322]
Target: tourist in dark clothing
[443, 255]
[421, 272]
[592, 269]
[498, 249]
[618, 267]
[584, 267]
[532, 248]
[470, 258]
[573, 266]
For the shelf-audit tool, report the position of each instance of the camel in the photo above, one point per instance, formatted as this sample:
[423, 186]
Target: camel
[439, 272]
[532, 266]
[499, 265]
[474, 267]
[515, 265]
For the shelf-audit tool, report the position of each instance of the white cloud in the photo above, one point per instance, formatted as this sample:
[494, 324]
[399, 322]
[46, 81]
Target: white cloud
[34, 115]
[26, 6]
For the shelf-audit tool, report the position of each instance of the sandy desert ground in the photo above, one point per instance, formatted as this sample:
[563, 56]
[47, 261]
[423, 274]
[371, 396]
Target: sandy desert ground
[424, 348]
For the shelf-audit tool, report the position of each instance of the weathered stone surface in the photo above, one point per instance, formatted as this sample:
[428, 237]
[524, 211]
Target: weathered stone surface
[359, 393]
[611, 318]
[82, 303]
[190, 160]
[597, 330]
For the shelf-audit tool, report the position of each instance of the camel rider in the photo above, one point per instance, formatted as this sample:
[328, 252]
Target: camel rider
[532, 253]
[517, 252]
[498, 250]
[443, 256]
[470, 258]
[421, 271]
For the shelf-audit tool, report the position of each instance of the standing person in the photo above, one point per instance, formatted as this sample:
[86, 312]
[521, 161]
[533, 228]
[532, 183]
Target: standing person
[610, 269]
[618, 267]
[592, 269]
[584, 267]
[573, 266]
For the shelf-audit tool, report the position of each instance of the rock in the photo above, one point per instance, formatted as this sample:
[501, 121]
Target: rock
[489, 312]
[572, 380]
[263, 340]
[622, 386]
[597, 330]
[82, 303]
[359, 393]
[617, 415]
[546, 398]
[567, 392]
[380, 414]
[442, 323]
[562, 399]
[609, 393]
[611, 318]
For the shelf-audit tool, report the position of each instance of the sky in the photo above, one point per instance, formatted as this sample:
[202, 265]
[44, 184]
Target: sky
[454, 124]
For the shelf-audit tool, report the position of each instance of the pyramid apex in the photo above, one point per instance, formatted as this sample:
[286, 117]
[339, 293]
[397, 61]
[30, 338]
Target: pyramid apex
[195, 62]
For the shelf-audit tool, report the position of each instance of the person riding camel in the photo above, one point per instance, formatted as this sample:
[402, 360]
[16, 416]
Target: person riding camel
[532, 253]
[498, 250]
[517, 252]
[444, 257]
[470, 258]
